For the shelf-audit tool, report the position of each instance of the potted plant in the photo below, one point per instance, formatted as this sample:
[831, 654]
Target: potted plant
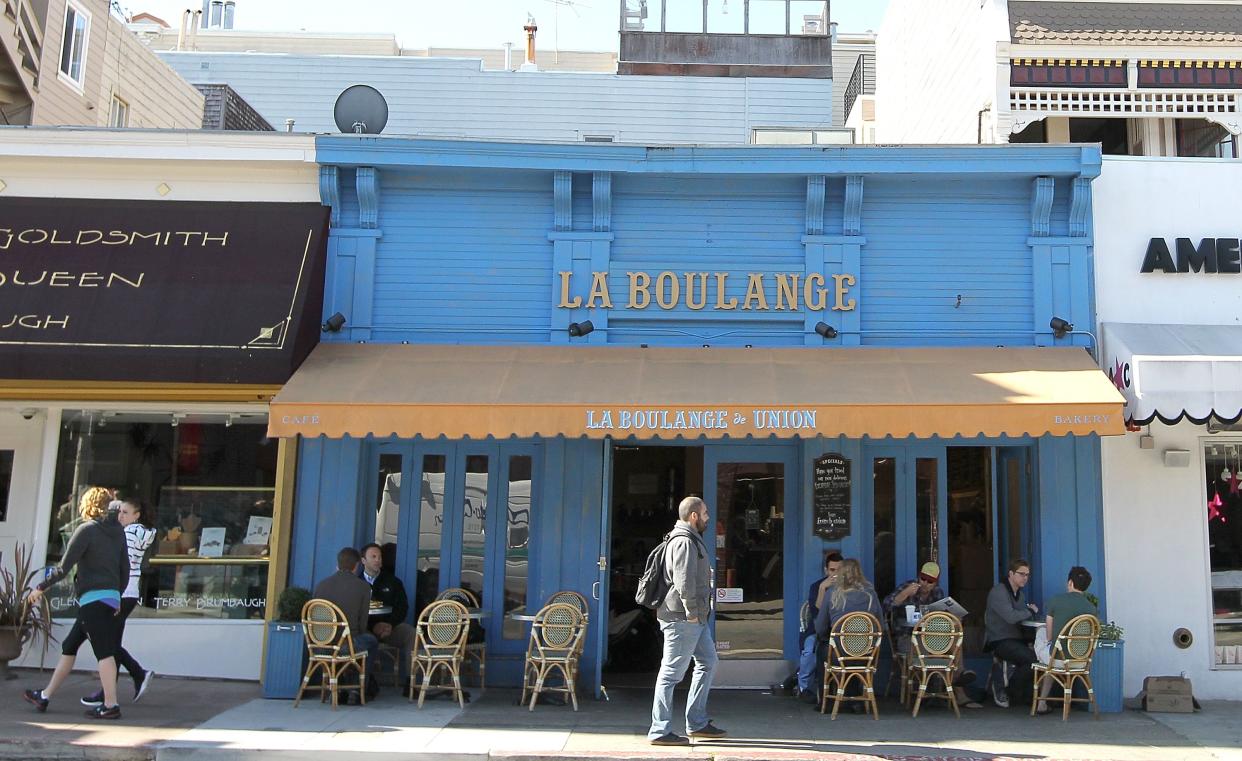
[21, 622]
[286, 650]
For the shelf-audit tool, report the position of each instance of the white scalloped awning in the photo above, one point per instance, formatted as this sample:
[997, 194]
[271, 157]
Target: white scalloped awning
[1172, 372]
[690, 392]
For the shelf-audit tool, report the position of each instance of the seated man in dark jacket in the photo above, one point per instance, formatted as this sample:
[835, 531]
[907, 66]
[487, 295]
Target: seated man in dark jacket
[1002, 623]
[353, 596]
[388, 592]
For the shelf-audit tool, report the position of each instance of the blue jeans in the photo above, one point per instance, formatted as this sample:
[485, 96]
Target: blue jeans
[367, 641]
[808, 663]
[683, 641]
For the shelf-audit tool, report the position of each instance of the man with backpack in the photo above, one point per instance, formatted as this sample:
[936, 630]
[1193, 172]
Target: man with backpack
[683, 614]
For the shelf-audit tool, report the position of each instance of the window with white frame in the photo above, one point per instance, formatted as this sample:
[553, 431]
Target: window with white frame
[777, 136]
[118, 116]
[73, 43]
[1223, 461]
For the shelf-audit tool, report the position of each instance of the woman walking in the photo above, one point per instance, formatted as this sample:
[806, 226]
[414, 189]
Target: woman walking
[97, 550]
[135, 518]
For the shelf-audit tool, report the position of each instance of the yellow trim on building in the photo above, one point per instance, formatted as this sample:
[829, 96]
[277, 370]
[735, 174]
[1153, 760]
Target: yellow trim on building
[120, 391]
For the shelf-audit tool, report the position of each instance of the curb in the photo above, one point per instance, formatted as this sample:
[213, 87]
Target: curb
[41, 750]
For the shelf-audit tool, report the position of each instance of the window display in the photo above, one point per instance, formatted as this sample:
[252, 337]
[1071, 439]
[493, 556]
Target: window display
[1223, 461]
[210, 481]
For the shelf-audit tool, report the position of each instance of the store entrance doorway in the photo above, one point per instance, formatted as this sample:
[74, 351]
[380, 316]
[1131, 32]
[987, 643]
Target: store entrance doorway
[648, 482]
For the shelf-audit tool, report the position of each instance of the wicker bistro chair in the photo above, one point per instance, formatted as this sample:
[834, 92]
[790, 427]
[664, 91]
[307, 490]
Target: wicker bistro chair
[331, 653]
[1070, 661]
[935, 651]
[569, 597]
[439, 644]
[555, 645]
[475, 651]
[853, 649]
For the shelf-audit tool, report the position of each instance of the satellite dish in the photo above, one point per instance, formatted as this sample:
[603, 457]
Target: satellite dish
[360, 109]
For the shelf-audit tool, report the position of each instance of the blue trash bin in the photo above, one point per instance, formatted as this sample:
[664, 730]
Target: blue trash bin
[1108, 675]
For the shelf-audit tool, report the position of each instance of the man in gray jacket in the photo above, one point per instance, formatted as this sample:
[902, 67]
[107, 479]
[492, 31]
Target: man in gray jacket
[1002, 623]
[683, 620]
[353, 596]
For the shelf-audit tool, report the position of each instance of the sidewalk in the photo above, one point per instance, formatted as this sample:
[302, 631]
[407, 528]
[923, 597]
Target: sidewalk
[172, 724]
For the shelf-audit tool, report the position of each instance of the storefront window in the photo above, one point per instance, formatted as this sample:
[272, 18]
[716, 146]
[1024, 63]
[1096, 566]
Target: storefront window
[209, 481]
[517, 542]
[1223, 461]
[430, 528]
[6, 481]
[474, 518]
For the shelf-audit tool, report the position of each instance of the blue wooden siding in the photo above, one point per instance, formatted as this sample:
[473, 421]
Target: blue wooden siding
[927, 244]
[464, 257]
[468, 241]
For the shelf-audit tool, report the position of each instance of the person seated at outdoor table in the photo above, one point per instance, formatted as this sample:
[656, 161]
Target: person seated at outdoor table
[810, 667]
[1061, 609]
[353, 596]
[850, 593]
[925, 590]
[388, 591]
[1007, 608]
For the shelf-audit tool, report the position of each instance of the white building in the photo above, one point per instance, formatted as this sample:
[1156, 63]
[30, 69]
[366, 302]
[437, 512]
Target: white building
[1151, 78]
[92, 396]
[1171, 338]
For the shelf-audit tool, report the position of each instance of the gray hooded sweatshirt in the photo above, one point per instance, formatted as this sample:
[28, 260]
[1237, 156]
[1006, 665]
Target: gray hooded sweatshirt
[688, 570]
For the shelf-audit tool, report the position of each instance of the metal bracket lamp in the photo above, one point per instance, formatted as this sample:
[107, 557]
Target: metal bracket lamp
[334, 323]
[826, 330]
[578, 329]
[1060, 328]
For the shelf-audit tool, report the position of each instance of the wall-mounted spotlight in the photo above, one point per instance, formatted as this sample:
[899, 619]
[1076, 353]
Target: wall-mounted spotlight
[1060, 327]
[334, 323]
[577, 329]
[825, 330]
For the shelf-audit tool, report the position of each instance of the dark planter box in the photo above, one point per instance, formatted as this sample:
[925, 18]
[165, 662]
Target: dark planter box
[286, 659]
[1108, 675]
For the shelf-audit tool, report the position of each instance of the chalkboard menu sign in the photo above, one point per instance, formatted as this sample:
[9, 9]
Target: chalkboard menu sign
[831, 499]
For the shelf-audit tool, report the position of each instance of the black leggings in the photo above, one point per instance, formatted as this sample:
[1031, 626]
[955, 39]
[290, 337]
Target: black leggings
[96, 621]
[123, 658]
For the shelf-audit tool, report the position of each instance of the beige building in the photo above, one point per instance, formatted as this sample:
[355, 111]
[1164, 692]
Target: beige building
[73, 62]
[163, 36]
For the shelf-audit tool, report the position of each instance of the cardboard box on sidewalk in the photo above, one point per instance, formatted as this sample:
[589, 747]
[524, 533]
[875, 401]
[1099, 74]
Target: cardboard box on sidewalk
[1168, 694]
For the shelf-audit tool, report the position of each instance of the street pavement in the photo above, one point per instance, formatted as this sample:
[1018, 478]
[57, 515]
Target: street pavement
[200, 720]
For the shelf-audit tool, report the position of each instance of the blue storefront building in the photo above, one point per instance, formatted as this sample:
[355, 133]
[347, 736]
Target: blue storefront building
[534, 351]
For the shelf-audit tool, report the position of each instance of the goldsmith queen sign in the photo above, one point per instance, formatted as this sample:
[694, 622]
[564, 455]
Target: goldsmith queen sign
[158, 291]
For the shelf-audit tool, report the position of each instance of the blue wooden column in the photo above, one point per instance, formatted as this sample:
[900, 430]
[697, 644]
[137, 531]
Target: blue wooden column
[834, 259]
[1071, 514]
[326, 517]
[1061, 264]
[576, 254]
[351, 252]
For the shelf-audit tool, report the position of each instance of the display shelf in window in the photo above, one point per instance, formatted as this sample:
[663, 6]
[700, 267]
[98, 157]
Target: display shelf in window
[214, 522]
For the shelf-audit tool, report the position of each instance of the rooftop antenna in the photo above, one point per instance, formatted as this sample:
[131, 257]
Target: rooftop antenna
[361, 110]
[572, 5]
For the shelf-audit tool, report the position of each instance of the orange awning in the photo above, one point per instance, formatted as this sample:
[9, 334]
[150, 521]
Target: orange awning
[598, 391]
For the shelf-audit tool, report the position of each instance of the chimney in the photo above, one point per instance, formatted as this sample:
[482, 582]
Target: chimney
[508, 56]
[230, 9]
[530, 29]
[217, 13]
[288, 125]
[206, 13]
[833, 27]
[191, 38]
[186, 18]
